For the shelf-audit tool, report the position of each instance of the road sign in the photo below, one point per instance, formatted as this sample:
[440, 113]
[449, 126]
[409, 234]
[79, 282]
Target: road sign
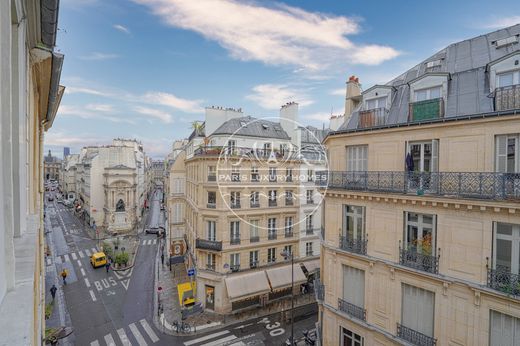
[191, 272]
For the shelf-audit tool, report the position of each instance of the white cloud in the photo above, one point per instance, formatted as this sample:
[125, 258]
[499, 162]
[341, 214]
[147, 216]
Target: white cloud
[277, 35]
[322, 117]
[155, 113]
[97, 56]
[502, 22]
[85, 113]
[63, 138]
[338, 92]
[273, 96]
[82, 90]
[172, 101]
[121, 28]
[99, 107]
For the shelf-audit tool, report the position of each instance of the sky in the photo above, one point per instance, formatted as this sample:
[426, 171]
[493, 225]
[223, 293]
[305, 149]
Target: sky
[145, 69]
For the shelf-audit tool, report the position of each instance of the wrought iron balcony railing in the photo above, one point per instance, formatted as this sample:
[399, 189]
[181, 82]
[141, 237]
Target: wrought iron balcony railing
[208, 244]
[253, 264]
[254, 239]
[288, 233]
[353, 245]
[373, 117]
[241, 152]
[234, 267]
[210, 266]
[289, 202]
[415, 337]
[212, 177]
[479, 185]
[414, 259]
[310, 201]
[254, 204]
[211, 205]
[319, 290]
[507, 97]
[235, 205]
[271, 235]
[272, 203]
[501, 279]
[234, 241]
[352, 310]
[426, 110]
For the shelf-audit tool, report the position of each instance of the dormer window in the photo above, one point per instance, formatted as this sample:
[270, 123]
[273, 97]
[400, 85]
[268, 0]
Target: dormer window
[379, 102]
[428, 93]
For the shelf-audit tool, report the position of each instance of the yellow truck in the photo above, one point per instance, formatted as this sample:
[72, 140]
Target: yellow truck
[186, 293]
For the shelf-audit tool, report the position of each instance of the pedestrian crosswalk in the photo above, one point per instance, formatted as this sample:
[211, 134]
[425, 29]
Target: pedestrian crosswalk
[137, 333]
[149, 242]
[70, 256]
[214, 339]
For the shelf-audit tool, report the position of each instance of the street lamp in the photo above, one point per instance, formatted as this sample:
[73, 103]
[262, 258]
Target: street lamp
[286, 255]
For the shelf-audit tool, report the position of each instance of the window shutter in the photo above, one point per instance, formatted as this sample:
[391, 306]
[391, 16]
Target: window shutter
[418, 309]
[354, 286]
[435, 155]
[501, 154]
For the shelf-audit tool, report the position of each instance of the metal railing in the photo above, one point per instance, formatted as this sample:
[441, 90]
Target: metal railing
[480, 185]
[288, 233]
[507, 97]
[210, 266]
[254, 204]
[271, 235]
[310, 201]
[254, 239]
[501, 279]
[289, 202]
[212, 177]
[310, 231]
[352, 310]
[416, 260]
[211, 205]
[373, 117]
[208, 244]
[234, 267]
[234, 241]
[235, 205]
[240, 152]
[272, 203]
[353, 245]
[415, 337]
[253, 264]
[426, 110]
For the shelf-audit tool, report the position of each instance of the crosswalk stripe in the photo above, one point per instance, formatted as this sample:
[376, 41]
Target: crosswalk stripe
[94, 343]
[155, 241]
[83, 272]
[79, 264]
[67, 259]
[81, 255]
[137, 335]
[147, 242]
[143, 242]
[87, 251]
[109, 340]
[149, 330]
[87, 282]
[94, 250]
[123, 337]
[207, 337]
[92, 295]
[220, 341]
[74, 257]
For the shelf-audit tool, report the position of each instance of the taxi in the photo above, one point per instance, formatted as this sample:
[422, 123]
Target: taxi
[98, 259]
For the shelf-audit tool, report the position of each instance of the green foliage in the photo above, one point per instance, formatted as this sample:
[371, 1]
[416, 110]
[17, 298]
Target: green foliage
[48, 309]
[107, 248]
[122, 258]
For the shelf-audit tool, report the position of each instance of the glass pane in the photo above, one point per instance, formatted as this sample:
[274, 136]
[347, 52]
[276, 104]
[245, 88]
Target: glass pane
[505, 79]
[504, 228]
[411, 239]
[428, 219]
[359, 230]
[371, 104]
[413, 217]
[511, 151]
[435, 93]
[426, 245]
[427, 157]
[503, 256]
[350, 227]
[420, 95]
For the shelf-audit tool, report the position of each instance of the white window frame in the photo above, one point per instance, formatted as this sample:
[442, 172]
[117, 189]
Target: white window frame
[515, 78]
[288, 249]
[357, 213]
[234, 198]
[357, 158]
[309, 196]
[289, 224]
[271, 255]
[253, 257]
[514, 238]
[376, 102]
[353, 341]
[211, 230]
[308, 249]
[501, 153]
[234, 259]
[234, 229]
[421, 232]
[271, 225]
[254, 197]
[254, 226]
[415, 314]
[434, 160]
[504, 329]
[309, 222]
[428, 93]
[211, 259]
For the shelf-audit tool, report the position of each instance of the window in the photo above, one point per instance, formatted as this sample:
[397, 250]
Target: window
[308, 249]
[287, 249]
[234, 261]
[506, 254]
[354, 286]
[272, 174]
[309, 197]
[212, 173]
[212, 199]
[234, 229]
[418, 309]
[379, 102]
[289, 197]
[271, 228]
[428, 94]
[267, 146]
[235, 174]
[289, 225]
[308, 222]
[508, 78]
[357, 158]
[272, 198]
[503, 329]
[423, 156]
[354, 222]
[253, 230]
[271, 255]
[178, 214]
[420, 233]
[210, 261]
[178, 185]
[255, 199]
[351, 339]
[211, 230]
[507, 153]
[235, 199]
[288, 174]
[253, 259]
[231, 146]
[254, 174]
[310, 175]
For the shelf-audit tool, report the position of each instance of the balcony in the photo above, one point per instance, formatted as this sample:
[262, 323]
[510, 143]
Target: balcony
[476, 185]
[234, 267]
[288, 233]
[240, 152]
[234, 241]
[501, 279]
[349, 244]
[235, 205]
[310, 201]
[211, 205]
[255, 205]
[416, 260]
[212, 177]
[289, 202]
[372, 118]
[309, 231]
[208, 244]
[210, 266]
[426, 110]
[253, 264]
[271, 235]
[254, 239]
[507, 98]
[272, 203]
[415, 337]
[352, 310]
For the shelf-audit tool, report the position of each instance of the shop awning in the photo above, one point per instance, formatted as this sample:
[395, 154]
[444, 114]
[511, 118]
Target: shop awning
[312, 266]
[281, 277]
[247, 285]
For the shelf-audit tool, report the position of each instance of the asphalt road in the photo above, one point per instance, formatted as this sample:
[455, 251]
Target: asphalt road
[116, 308]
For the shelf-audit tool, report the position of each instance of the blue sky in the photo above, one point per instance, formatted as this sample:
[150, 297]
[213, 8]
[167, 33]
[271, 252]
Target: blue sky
[146, 69]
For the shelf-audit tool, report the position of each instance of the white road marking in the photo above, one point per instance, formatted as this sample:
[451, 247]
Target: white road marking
[79, 263]
[74, 257]
[137, 335]
[207, 337]
[94, 343]
[87, 251]
[93, 250]
[83, 272]
[81, 255]
[123, 337]
[109, 340]
[67, 259]
[149, 330]
[92, 295]
[49, 261]
[87, 282]
[155, 241]
[220, 341]
[125, 283]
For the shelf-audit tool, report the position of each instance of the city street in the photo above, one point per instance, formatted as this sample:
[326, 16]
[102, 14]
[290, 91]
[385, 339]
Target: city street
[116, 308]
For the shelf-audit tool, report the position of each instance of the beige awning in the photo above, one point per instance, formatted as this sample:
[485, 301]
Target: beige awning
[246, 285]
[281, 277]
[312, 266]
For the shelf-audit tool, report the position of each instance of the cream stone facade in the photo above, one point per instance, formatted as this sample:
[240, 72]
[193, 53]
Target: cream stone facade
[422, 215]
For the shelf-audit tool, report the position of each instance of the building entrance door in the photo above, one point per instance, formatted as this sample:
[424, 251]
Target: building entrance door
[210, 297]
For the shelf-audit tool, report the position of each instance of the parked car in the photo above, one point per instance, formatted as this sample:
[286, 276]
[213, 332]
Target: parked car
[153, 230]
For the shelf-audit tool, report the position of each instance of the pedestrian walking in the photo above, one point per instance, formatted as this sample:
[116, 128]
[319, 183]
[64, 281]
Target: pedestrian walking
[53, 291]
[64, 276]
[107, 266]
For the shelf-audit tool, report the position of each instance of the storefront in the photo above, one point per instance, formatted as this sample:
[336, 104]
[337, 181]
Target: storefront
[281, 283]
[246, 290]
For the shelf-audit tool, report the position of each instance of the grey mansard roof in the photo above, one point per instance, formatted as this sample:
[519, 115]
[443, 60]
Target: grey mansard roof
[465, 63]
[252, 127]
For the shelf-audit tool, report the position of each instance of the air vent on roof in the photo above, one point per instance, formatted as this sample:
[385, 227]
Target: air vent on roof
[506, 41]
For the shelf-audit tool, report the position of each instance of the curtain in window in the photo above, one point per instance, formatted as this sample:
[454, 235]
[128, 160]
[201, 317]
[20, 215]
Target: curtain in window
[418, 309]
[504, 329]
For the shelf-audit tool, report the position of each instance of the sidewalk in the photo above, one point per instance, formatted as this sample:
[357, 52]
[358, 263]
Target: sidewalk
[206, 320]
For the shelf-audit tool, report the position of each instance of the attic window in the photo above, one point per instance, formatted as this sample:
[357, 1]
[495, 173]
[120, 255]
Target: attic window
[243, 124]
[506, 41]
[433, 63]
